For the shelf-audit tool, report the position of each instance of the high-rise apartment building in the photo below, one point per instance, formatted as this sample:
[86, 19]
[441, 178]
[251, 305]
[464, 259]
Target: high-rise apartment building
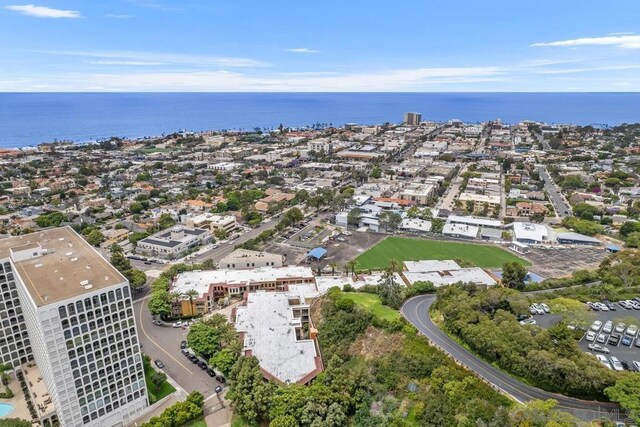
[412, 119]
[67, 313]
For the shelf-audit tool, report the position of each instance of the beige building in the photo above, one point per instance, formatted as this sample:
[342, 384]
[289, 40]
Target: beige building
[243, 259]
[421, 194]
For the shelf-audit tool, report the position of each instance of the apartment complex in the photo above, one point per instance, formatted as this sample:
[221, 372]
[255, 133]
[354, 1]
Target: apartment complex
[412, 119]
[71, 313]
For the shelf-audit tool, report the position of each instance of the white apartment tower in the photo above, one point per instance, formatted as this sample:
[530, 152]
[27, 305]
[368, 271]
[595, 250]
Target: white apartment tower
[69, 311]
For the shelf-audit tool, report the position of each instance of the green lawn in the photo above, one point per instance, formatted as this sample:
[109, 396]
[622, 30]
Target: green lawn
[200, 422]
[165, 389]
[405, 249]
[372, 303]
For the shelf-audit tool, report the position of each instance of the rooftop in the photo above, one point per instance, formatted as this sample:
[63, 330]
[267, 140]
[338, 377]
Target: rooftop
[269, 324]
[442, 278]
[57, 264]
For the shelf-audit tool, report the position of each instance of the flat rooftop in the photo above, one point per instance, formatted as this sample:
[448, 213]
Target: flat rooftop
[52, 264]
[268, 322]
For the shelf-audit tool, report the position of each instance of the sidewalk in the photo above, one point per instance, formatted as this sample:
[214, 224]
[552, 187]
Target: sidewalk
[215, 415]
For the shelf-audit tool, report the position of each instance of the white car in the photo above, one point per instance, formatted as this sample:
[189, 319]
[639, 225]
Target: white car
[603, 306]
[604, 360]
[590, 336]
[528, 322]
[602, 338]
[617, 366]
[545, 307]
[177, 325]
[620, 327]
[632, 330]
[608, 327]
[595, 326]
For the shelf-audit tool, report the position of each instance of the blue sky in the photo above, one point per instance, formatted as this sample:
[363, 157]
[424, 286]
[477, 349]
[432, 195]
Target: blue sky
[325, 45]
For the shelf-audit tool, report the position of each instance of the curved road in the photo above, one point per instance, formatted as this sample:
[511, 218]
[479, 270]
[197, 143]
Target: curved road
[416, 311]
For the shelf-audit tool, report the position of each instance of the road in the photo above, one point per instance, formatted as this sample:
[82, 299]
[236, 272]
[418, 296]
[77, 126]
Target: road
[559, 203]
[416, 311]
[163, 343]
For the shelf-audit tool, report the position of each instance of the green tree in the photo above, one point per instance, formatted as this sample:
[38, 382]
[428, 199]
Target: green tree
[192, 293]
[626, 391]
[225, 359]
[166, 221]
[354, 216]
[629, 227]
[389, 290]
[159, 303]
[158, 378]
[513, 275]
[390, 221]
[250, 394]
[376, 172]
[633, 239]
[541, 413]
[136, 207]
[137, 278]
[95, 238]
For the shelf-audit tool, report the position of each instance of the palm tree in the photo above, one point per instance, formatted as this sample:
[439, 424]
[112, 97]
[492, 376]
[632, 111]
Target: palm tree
[394, 266]
[333, 266]
[177, 296]
[191, 293]
[351, 265]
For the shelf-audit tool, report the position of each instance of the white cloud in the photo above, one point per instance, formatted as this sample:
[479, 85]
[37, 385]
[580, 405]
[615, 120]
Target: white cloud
[43, 11]
[622, 41]
[164, 58]
[118, 16]
[226, 81]
[302, 50]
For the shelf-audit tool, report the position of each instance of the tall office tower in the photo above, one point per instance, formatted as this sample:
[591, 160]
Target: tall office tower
[412, 119]
[69, 329]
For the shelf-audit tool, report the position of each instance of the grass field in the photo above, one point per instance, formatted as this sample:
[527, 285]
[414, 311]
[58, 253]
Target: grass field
[371, 302]
[405, 249]
[164, 390]
[200, 422]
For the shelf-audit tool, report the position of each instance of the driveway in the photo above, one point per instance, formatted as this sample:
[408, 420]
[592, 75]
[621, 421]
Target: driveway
[163, 343]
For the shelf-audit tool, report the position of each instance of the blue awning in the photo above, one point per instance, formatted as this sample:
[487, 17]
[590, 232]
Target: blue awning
[317, 253]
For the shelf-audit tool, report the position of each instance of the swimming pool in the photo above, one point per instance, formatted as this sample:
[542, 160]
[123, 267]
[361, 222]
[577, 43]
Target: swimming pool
[5, 409]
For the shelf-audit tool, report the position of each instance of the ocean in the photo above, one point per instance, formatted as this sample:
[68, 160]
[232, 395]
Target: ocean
[27, 119]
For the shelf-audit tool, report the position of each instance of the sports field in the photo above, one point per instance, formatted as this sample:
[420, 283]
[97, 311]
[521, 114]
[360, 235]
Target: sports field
[405, 249]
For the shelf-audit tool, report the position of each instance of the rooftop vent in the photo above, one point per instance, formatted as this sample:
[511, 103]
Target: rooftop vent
[74, 259]
[38, 265]
[84, 282]
[69, 253]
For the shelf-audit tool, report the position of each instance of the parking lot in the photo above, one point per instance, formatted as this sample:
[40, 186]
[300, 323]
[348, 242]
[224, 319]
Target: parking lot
[621, 351]
[562, 261]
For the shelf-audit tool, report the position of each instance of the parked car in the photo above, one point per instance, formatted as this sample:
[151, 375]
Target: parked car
[598, 348]
[210, 372]
[218, 389]
[602, 338]
[626, 365]
[183, 344]
[533, 310]
[593, 306]
[177, 325]
[590, 336]
[528, 322]
[620, 327]
[202, 365]
[159, 363]
[604, 360]
[614, 339]
[157, 322]
[632, 330]
[617, 366]
[625, 304]
[626, 340]
[608, 327]
[184, 351]
[595, 326]
[545, 307]
[220, 379]
[636, 365]
[637, 343]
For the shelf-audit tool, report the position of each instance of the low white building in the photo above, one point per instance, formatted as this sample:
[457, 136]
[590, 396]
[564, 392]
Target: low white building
[173, 242]
[460, 230]
[444, 272]
[415, 225]
[527, 232]
[241, 259]
[275, 328]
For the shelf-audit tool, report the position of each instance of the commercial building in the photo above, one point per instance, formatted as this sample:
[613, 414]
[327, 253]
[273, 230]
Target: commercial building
[443, 273]
[67, 309]
[173, 242]
[211, 285]
[480, 200]
[460, 230]
[412, 119]
[571, 238]
[212, 222]
[421, 194]
[241, 259]
[527, 232]
[276, 328]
